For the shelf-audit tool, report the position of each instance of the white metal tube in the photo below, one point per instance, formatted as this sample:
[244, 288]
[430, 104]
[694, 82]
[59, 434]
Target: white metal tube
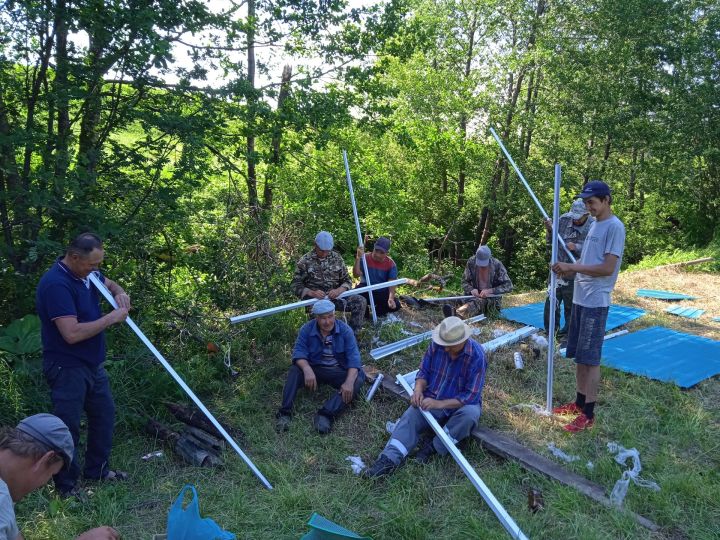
[447, 298]
[311, 301]
[529, 189]
[553, 292]
[508, 522]
[359, 235]
[108, 296]
[375, 386]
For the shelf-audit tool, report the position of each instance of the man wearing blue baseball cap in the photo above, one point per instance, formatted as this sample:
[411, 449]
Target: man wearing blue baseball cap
[30, 454]
[323, 273]
[325, 352]
[596, 274]
[382, 269]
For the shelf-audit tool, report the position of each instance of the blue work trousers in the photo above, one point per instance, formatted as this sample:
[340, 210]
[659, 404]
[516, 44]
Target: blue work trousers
[334, 376]
[74, 390]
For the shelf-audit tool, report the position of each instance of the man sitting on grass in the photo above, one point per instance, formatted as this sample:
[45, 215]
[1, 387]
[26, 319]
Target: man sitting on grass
[449, 386]
[325, 351]
[30, 454]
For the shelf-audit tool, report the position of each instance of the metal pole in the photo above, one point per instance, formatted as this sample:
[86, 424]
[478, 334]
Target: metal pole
[359, 235]
[553, 292]
[505, 519]
[375, 385]
[529, 189]
[108, 296]
[311, 301]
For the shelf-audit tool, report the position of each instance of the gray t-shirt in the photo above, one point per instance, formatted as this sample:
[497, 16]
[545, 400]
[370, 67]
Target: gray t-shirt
[606, 236]
[8, 526]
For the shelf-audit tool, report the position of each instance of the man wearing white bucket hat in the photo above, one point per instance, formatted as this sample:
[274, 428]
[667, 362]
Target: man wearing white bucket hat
[449, 386]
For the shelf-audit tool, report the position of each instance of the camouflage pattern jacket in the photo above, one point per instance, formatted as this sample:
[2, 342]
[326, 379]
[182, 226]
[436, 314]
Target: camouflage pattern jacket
[498, 279]
[569, 232]
[312, 272]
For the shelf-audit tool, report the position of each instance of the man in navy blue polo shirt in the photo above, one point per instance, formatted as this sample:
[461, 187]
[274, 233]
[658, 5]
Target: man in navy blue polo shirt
[72, 328]
[325, 352]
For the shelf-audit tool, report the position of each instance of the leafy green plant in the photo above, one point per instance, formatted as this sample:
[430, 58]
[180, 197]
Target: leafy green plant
[22, 336]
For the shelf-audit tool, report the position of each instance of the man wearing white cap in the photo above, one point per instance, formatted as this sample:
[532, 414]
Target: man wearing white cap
[325, 352]
[449, 386]
[485, 278]
[30, 454]
[322, 273]
[573, 229]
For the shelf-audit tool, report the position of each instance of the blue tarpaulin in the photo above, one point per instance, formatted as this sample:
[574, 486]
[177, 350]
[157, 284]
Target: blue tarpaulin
[664, 354]
[688, 312]
[664, 295]
[532, 314]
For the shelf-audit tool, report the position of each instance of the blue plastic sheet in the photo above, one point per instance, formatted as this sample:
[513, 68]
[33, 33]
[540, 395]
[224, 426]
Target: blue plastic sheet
[532, 314]
[664, 295]
[324, 529]
[664, 354]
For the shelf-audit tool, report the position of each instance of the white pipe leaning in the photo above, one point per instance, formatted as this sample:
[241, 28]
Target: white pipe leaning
[108, 296]
[529, 189]
[311, 301]
[375, 386]
[553, 292]
[359, 235]
[508, 522]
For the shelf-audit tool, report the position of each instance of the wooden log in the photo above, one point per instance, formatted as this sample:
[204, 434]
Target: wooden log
[196, 418]
[687, 263]
[508, 448]
[161, 431]
[190, 450]
[206, 441]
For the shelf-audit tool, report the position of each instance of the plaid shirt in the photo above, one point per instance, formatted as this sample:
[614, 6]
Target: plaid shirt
[462, 378]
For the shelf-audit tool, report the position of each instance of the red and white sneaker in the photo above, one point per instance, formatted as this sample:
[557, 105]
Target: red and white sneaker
[580, 423]
[568, 408]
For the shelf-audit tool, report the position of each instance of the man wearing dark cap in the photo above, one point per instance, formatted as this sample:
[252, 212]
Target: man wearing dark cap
[30, 454]
[322, 273]
[449, 386]
[73, 337]
[596, 274]
[381, 269]
[325, 352]
[573, 229]
[485, 278]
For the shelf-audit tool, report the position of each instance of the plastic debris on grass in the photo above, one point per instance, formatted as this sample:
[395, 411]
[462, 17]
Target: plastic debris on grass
[621, 486]
[560, 454]
[498, 332]
[540, 341]
[390, 426]
[356, 463]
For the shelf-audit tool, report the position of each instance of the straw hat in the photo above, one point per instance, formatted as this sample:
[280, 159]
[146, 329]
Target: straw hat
[451, 331]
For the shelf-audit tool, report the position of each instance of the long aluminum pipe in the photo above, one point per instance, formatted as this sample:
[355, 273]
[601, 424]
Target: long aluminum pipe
[553, 292]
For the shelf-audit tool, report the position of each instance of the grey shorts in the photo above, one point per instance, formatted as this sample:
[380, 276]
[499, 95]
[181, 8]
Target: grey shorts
[586, 334]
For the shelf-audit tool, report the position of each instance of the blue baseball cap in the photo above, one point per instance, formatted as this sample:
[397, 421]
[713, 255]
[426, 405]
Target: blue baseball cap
[382, 244]
[50, 431]
[594, 188]
[324, 240]
[321, 307]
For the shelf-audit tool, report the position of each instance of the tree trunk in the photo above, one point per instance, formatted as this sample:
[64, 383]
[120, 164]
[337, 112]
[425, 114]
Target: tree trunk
[277, 137]
[250, 146]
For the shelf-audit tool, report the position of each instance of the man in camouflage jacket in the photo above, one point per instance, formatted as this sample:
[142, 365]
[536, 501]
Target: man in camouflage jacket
[322, 272]
[487, 280]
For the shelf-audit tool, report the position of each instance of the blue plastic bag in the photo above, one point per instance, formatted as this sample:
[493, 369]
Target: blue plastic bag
[186, 523]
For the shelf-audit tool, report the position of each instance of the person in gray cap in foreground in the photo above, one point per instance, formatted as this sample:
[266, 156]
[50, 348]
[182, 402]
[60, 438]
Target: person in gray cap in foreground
[485, 278]
[325, 352]
[573, 229]
[30, 454]
[322, 273]
[449, 386]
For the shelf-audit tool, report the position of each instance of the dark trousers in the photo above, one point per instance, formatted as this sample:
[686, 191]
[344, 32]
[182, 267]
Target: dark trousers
[334, 376]
[72, 391]
[380, 297]
[564, 296]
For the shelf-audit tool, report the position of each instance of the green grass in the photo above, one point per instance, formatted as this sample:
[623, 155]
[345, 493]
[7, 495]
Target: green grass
[676, 431]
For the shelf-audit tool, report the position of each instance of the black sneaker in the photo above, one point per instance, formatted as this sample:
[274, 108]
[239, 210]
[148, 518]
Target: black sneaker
[282, 424]
[425, 453]
[448, 310]
[322, 424]
[382, 467]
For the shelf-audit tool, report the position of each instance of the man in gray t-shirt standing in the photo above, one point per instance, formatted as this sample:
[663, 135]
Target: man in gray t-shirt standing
[597, 273]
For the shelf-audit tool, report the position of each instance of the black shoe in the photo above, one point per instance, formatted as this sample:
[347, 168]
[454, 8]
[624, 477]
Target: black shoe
[322, 424]
[425, 453]
[282, 423]
[448, 310]
[382, 467]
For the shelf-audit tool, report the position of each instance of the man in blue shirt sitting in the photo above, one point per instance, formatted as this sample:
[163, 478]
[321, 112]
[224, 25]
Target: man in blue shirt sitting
[325, 352]
[449, 386]
[73, 338]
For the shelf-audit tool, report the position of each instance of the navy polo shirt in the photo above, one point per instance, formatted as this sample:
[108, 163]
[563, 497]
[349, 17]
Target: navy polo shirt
[62, 294]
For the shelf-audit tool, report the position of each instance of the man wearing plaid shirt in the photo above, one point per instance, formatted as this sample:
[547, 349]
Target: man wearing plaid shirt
[449, 386]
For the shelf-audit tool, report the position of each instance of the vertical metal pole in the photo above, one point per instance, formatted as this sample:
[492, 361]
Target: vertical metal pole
[529, 189]
[108, 296]
[553, 292]
[359, 235]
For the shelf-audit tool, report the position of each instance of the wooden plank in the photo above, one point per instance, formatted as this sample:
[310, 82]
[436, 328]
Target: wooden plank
[687, 263]
[508, 448]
